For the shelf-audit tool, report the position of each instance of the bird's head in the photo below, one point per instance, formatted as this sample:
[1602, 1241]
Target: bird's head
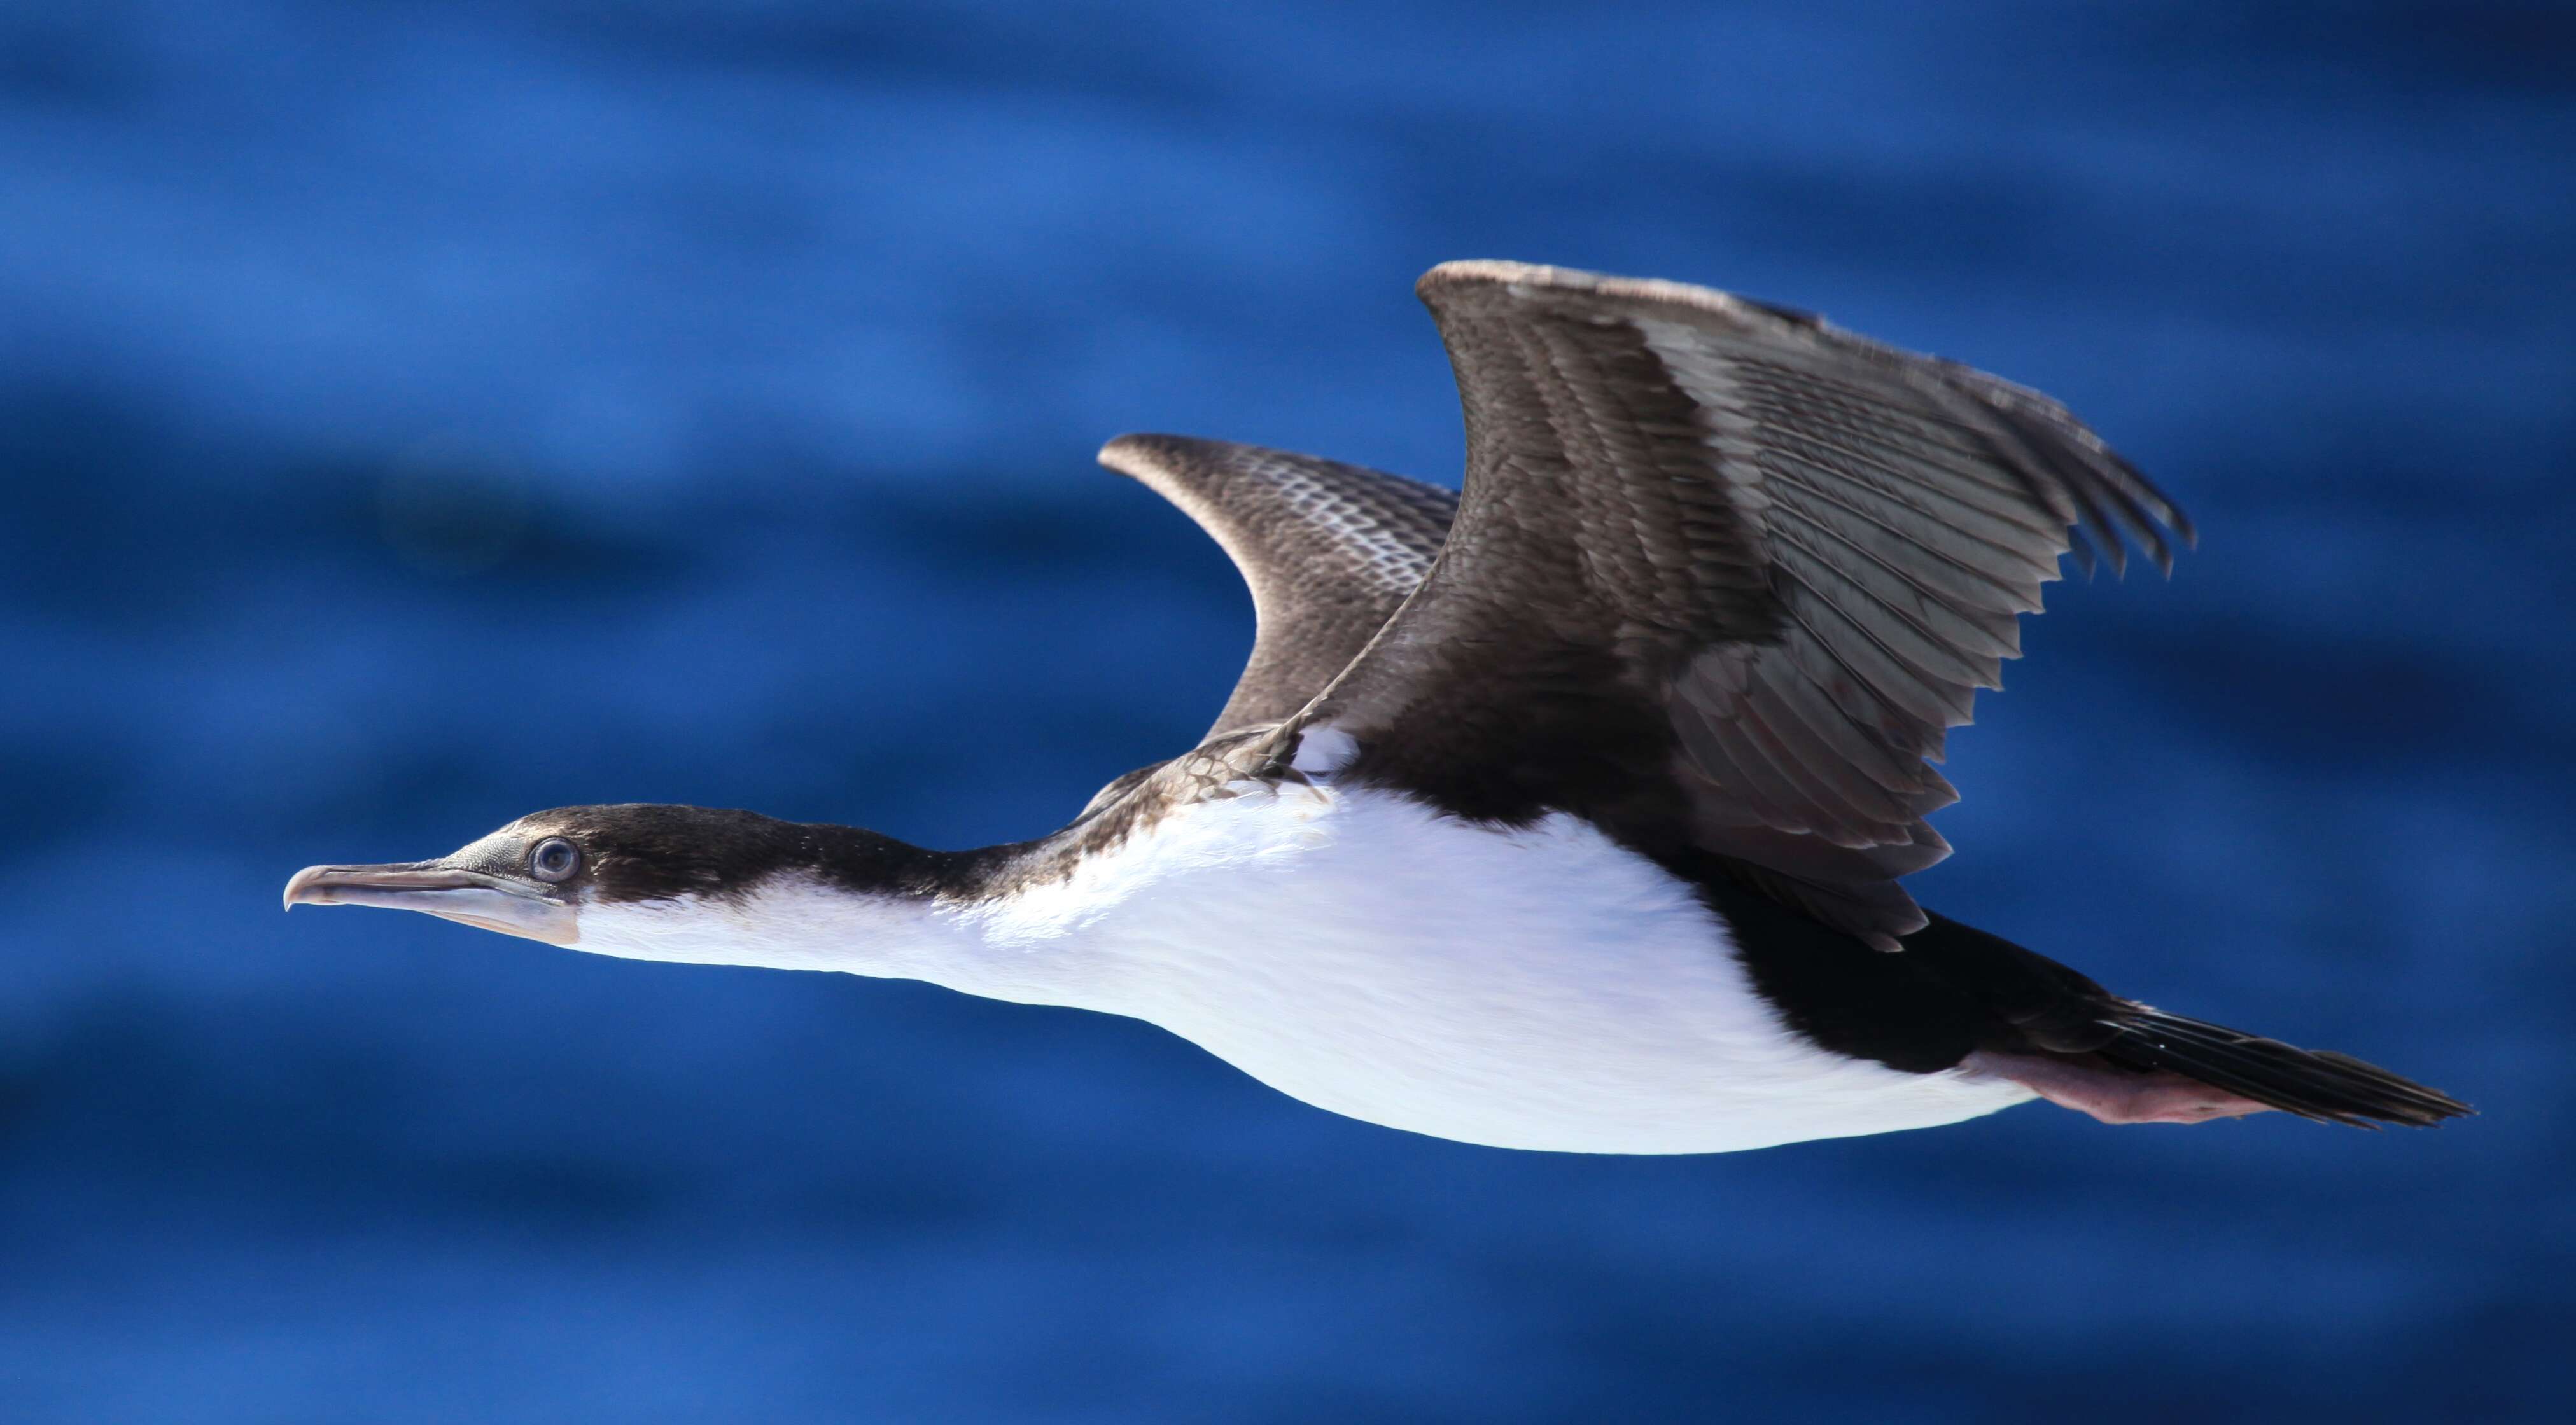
[537, 876]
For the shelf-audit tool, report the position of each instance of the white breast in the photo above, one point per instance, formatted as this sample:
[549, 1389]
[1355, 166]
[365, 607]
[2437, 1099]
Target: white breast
[1534, 989]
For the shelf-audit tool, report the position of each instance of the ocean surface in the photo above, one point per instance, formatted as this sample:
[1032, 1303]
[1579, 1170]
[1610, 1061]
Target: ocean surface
[413, 415]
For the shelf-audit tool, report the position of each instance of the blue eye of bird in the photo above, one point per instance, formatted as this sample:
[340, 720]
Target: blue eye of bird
[555, 859]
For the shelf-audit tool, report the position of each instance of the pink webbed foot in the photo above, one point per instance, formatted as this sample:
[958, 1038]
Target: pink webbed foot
[2114, 1095]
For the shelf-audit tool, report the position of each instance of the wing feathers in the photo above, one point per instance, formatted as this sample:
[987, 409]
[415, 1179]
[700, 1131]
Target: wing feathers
[1801, 551]
[1863, 527]
[1328, 549]
[1903, 621]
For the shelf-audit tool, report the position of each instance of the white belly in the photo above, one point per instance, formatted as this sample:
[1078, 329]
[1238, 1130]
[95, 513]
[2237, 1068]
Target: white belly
[1535, 989]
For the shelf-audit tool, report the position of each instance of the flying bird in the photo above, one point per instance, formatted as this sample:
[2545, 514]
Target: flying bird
[1567, 812]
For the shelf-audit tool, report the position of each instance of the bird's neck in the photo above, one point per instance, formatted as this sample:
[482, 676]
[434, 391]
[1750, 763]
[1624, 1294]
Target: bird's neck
[1075, 919]
[864, 905]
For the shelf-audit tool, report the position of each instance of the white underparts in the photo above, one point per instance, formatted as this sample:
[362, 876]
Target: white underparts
[1542, 988]
[1323, 750]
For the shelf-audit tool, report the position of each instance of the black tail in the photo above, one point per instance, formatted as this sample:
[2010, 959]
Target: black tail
[2313, 1083]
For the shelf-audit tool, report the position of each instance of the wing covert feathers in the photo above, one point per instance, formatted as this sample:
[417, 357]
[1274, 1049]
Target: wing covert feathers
[1328, 549]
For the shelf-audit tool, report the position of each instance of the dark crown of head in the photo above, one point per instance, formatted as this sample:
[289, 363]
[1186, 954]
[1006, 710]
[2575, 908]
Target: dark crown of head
[639, 852]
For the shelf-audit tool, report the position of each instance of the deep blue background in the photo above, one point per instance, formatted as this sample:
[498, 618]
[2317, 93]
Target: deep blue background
[413, 415]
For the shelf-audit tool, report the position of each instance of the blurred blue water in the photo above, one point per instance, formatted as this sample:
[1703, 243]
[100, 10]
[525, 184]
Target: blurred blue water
[413, 415]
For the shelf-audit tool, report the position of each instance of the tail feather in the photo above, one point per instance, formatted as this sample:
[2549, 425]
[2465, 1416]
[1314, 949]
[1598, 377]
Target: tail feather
[2313, 1083]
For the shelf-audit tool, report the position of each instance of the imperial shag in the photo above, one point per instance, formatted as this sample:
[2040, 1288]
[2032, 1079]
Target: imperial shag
[1569, 812]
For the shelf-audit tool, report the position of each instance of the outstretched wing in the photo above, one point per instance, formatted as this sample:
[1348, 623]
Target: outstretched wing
[1329, 549]
[1723, 577]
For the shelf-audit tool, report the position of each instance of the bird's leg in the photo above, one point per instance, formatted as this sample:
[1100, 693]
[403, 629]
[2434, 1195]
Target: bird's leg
[2113, 1095]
